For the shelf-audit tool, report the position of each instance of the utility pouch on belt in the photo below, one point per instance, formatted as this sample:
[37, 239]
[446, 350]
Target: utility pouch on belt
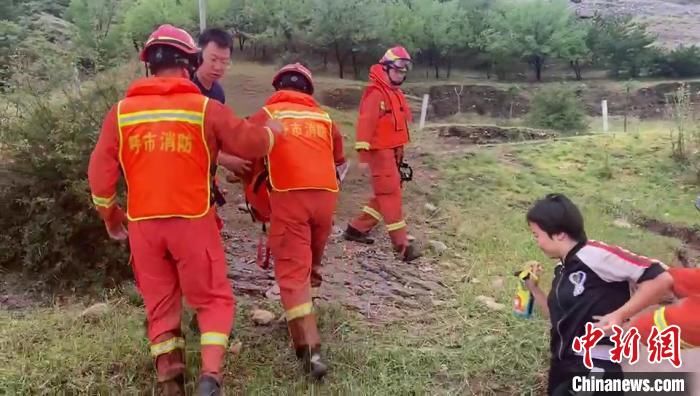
[405, 171]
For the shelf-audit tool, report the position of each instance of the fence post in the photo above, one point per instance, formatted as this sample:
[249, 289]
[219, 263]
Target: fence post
[423, 111]
[605, 115]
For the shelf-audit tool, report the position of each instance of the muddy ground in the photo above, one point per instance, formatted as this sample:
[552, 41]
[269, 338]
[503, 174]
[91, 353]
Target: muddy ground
[365, 278]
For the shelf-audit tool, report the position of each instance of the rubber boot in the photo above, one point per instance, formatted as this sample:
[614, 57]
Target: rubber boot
[307, 345]
[172, 387]
[410, 253]
[355, 235]
[170, 368]
[208, 386]
[313, 362]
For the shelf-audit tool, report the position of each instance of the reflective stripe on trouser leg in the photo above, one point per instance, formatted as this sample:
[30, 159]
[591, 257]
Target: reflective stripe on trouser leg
[299, 311]
[368, 218]
[167, 346]
[214, 338]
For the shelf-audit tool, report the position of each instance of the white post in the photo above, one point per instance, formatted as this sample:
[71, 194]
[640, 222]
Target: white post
[423, 111]
[605, 115]
[202, 15]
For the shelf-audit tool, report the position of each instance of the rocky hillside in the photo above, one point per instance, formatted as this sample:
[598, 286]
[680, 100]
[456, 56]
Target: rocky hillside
[675, 21]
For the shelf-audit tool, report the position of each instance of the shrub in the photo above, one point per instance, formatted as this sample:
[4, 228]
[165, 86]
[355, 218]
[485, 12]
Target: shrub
[682, 62]
[51, 231]
[557, 108]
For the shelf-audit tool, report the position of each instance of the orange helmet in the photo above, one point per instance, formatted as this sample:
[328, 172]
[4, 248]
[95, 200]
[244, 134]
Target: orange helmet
[289, 76]
[172, 36]
[397, 58]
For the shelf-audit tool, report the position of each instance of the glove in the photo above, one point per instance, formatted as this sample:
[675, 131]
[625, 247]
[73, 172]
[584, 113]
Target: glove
[115, 224]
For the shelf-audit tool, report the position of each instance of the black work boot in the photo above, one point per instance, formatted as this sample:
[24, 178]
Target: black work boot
[411, 253]
[208, 386]
[312, 361]
[173, 387]
[355, 235]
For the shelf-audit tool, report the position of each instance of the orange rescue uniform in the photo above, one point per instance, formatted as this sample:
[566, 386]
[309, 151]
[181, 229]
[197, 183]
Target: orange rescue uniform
[382, 132]
[164, 137]
[685, 313]
[303, 197]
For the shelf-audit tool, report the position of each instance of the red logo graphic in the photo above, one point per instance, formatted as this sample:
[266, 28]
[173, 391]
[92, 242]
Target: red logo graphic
[587, 341]
[665, 345]
[627, 346]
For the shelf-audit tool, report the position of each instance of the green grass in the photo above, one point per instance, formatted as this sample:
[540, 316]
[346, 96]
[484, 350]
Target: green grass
[460, 347]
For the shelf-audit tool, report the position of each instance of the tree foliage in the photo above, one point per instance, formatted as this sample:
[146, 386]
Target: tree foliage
[535, 31]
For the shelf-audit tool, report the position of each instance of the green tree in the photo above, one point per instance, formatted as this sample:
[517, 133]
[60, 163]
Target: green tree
[145, 15]
[98, 36]
[535, 31]
[346, 27]
[624, 45]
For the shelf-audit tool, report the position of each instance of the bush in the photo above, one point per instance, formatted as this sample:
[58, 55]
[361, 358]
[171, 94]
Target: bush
[558, 108]
[682, 62]
[51, 231]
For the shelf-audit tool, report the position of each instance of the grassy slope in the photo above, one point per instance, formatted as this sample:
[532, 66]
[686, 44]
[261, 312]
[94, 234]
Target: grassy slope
[458, 347]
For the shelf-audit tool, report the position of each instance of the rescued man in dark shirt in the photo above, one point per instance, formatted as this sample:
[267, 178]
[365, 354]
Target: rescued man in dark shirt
[592, 283]
[216, 46]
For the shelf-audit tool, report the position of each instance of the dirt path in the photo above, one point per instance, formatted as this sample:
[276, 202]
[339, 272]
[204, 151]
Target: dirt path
[367, 279]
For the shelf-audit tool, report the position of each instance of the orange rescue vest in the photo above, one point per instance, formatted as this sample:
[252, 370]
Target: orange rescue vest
[163, 151]
[394, 113]
[302, 157]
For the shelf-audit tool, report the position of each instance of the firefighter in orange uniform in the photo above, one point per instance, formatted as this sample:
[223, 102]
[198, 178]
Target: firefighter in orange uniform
[382, 132]
[685, 313]
[303, 183]
[163, 137]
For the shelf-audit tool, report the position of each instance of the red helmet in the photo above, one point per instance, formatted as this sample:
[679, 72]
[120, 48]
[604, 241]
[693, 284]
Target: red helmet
[172, 36]
[397, 58]
[297, 68]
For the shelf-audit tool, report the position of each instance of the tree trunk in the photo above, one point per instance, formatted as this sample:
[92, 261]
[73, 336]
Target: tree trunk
[437, 71]
[263, 51]
[538, 63]
[339, 59]
[576, 66]
[355, 69]
[325, 60]
[449, 67]
[241, 42]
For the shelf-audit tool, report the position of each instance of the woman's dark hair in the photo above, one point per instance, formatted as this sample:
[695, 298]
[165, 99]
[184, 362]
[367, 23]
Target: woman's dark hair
[219, 37]
[555, 214]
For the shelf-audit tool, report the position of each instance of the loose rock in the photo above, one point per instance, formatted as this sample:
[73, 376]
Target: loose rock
[236, 348]
[622, 223]
[95, 312]
[430, 207]
[490, 303]
[438, 246]
[262, 317]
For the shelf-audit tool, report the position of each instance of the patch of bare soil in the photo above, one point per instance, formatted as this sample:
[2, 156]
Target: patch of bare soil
[688, 254]
[347, 98]
[365, 278]
[489, 134]
[16, 295]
